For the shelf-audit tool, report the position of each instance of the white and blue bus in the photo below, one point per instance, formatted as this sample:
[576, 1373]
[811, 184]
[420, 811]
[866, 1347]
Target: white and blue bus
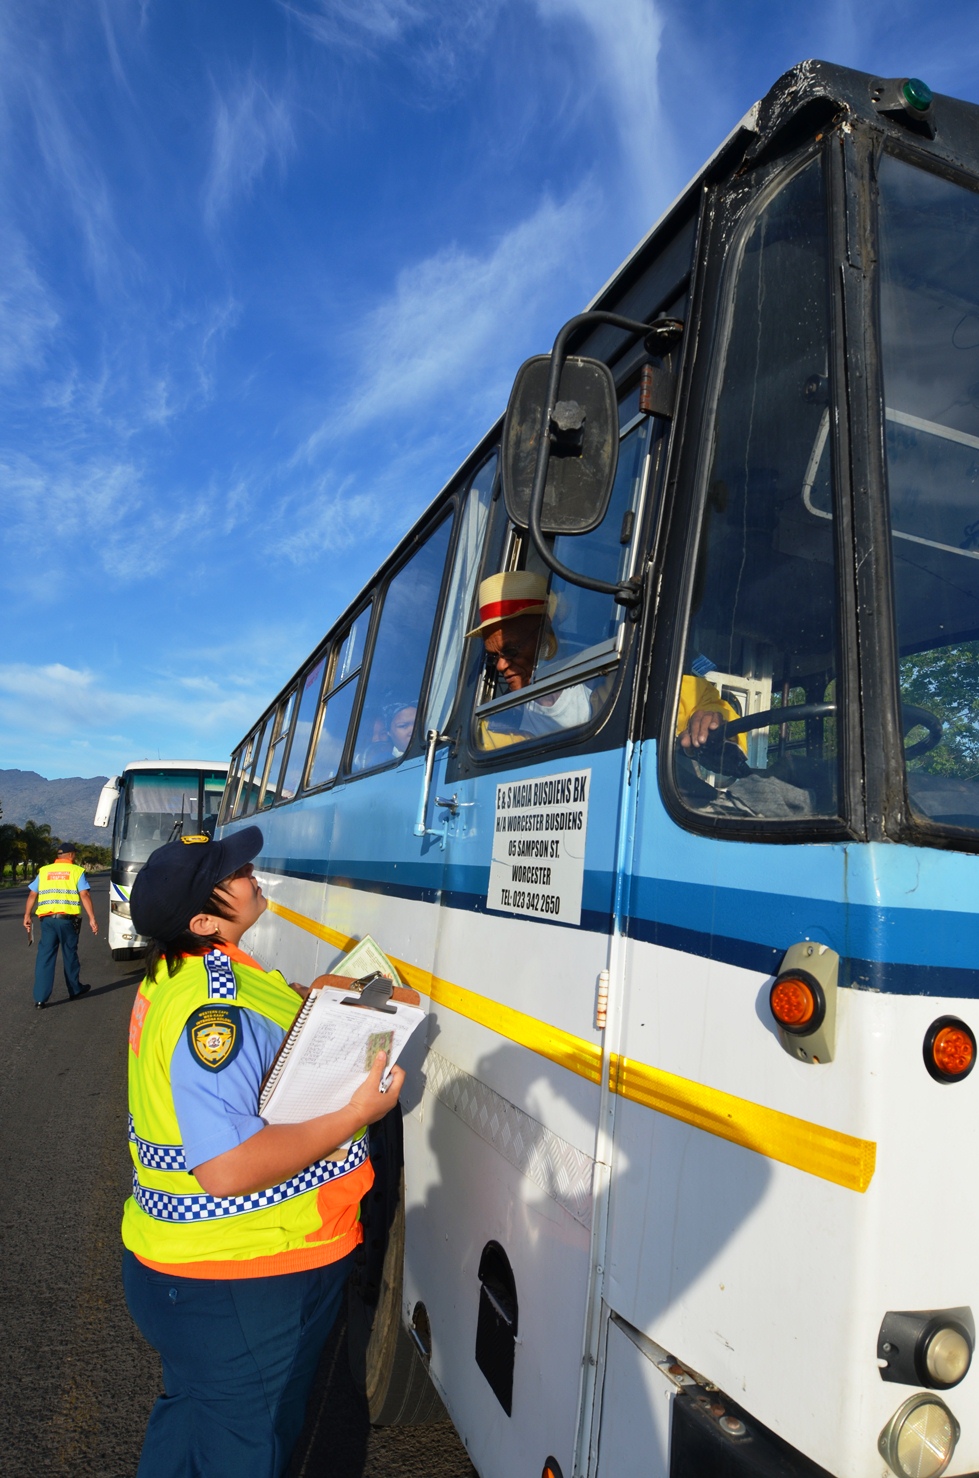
[687, 1150]
[150, 803]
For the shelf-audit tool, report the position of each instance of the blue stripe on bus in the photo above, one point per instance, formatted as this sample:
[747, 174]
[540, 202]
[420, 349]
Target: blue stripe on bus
[667, 913]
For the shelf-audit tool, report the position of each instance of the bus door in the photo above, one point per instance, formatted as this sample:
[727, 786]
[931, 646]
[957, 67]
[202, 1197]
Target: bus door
[722, 1151]
[501, 1163]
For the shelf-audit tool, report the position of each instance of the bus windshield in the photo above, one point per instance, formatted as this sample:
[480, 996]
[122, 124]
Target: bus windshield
[930, 356]
[159, 805]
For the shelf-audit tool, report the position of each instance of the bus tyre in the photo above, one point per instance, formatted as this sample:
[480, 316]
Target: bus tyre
[384, 1361]
[121, 956]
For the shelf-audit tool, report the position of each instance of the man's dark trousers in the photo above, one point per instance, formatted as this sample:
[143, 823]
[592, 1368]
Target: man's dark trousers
[57, 929]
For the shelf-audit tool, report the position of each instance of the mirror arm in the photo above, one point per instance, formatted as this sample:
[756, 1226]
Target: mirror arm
[626, 592]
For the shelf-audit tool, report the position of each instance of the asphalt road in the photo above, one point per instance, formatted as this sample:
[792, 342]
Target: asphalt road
[77, 1381]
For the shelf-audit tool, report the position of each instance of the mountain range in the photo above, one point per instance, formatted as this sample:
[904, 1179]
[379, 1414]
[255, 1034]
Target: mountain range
[67, 806]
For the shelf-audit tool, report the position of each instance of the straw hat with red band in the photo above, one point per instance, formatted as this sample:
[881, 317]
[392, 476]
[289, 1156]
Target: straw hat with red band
[514, 593]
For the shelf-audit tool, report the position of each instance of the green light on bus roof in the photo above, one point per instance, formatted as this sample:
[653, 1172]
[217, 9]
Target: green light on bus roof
[917, 94]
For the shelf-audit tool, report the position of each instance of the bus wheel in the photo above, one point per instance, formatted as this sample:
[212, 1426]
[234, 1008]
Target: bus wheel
[384, 1361]
[122, 955]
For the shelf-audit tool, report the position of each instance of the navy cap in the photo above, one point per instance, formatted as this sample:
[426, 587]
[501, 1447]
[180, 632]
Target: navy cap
[176, 880]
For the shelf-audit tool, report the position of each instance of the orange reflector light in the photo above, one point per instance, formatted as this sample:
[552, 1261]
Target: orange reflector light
[950, 1049]
[793, 1003]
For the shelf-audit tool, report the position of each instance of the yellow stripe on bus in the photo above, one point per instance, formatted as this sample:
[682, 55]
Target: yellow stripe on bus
[577, 1055]
[828, 1153]
[322, 931]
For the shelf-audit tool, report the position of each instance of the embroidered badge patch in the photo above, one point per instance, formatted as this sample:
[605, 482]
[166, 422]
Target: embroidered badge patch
[195, 839]
[214, 1035]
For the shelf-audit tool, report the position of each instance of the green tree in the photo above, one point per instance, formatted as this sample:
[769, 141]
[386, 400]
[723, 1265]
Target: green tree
[946, 682]
[38, 843]
[8, 844]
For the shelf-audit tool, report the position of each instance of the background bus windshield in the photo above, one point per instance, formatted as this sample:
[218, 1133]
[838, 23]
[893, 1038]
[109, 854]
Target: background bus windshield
[159, 805]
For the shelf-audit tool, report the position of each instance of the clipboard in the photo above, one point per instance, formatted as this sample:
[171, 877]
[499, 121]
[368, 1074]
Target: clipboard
[331, 1048]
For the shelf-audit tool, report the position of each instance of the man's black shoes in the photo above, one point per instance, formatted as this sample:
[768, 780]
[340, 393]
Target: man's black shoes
[82, 990]
[39, 1005]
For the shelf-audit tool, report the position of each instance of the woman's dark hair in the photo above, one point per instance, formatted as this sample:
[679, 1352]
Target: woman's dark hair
[186, 942]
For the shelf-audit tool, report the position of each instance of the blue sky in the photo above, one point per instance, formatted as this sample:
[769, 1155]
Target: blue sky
[268, 269]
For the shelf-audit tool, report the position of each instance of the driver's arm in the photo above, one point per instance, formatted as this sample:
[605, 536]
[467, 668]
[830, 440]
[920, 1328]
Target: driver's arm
[702, 709]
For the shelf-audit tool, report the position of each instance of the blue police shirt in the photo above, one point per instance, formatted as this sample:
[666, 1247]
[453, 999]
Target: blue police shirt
[218, 1109]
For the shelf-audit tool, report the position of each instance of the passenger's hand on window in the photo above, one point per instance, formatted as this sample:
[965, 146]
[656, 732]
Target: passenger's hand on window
[699, 728]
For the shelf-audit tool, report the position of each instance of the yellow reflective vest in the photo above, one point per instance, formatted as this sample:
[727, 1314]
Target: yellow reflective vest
[57, 888]
[170, 1222]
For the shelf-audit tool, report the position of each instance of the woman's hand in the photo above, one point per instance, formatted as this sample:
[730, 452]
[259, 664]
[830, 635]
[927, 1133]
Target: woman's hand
[371, 1102]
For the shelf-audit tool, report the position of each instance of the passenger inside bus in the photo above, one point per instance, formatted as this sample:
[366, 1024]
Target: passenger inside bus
[393, 728]
[515, 624]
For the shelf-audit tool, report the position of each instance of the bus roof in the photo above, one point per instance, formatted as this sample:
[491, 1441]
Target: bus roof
[212, 765]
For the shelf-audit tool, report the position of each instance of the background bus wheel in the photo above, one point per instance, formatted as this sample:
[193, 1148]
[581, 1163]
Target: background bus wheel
[384, 1360]
[122, 955]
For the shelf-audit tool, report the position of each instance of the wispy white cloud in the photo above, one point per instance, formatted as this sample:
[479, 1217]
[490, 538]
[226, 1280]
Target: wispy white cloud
[354, 22]
[455, 322]
[169, 714]
[28, 316]
[624, 38]
[251, 128]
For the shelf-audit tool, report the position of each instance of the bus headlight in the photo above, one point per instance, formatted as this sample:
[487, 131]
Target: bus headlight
[920, 1438]
[119, 906]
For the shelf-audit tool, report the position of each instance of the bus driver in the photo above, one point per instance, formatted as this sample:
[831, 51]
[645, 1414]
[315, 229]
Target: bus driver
[515, 625]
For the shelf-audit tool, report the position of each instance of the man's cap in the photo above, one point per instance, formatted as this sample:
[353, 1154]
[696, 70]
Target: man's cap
[514, 593]
[66, 848]
[176, 880]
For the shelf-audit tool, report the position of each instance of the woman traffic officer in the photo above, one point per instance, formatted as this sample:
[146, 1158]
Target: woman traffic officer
[238, 1234]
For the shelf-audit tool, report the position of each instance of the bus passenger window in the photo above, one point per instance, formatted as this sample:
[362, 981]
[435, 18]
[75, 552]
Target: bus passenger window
[296, 763]
[387, 718]
[536, 626]
[929, 306]
[253, 789]
[338, 702]
[283, 720]
[248, 755]
[230, 786]
[761, 646]
[459, 601]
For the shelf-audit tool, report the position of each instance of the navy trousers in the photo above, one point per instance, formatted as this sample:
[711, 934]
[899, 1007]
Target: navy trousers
[239, 1356]
[57, 929]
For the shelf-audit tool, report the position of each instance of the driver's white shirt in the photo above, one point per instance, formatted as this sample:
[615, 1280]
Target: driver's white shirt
[570, 707]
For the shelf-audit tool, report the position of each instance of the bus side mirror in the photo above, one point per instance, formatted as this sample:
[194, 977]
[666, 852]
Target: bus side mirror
[107, 801]
[584, 445]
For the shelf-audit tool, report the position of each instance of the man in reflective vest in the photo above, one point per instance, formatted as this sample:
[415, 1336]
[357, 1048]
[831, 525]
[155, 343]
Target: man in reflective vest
[61, 891]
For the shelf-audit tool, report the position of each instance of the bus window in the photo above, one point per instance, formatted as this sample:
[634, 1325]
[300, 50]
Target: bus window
[581, 629]
[213, 790]
[397, 664]
[158, 807]
[283, 721]
[762, 626]
[302, 728]
[252, 790]
[248, 755]
[231, 786]
[462, 590]
[338, 702]
[929, 303]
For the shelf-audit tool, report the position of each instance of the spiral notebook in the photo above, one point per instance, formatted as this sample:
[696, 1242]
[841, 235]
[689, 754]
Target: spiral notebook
[329, 1052]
